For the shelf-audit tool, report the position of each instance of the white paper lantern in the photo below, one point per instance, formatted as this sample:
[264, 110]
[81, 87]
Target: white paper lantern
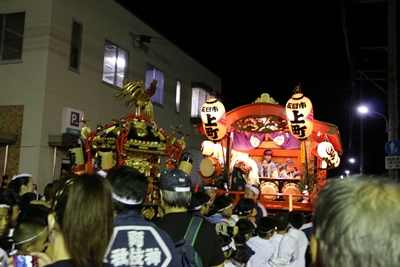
[213, 117]
[325, 150]
[300, 116]
[207, 148]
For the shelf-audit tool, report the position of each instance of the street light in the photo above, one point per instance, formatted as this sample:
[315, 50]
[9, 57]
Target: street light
[364, 110]
[347, 173]
[352, 160]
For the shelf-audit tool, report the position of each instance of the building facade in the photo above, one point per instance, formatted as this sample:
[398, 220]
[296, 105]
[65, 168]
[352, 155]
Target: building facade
[63, 55]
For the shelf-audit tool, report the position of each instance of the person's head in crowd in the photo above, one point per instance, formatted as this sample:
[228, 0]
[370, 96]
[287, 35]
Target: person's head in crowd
[30, 235]
[4, 214]
[227, 245]
[245, 208]
[265, 227]
[21, 183]
[242, 253]
[224, 229]
[252, 192]
[4, 181]
[175, 191]
[296, 219]
[224, 205]
[211, 190]
[267, 155]
[15, 205]
[355, 223]
[245, 228]
[41, 213]
[200, 202]
[82, 220]
[129, 188]
[281, 222]
[289, 165]
[47, 190]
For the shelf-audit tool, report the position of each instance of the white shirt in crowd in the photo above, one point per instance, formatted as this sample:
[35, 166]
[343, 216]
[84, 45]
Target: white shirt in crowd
[264, 252]
[286, 249]
[302, 242]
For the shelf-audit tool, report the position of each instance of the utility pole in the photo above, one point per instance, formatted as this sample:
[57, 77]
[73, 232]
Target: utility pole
[393, 118]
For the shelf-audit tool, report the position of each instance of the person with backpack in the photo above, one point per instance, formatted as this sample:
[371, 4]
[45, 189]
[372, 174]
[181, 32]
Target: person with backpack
[195, 238]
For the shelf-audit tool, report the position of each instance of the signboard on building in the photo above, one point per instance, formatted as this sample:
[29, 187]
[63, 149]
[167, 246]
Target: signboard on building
[71, 121]
[392, 162]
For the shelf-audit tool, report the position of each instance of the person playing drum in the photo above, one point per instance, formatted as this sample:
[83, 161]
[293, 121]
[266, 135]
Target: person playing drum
[289, 170]
[266, 166]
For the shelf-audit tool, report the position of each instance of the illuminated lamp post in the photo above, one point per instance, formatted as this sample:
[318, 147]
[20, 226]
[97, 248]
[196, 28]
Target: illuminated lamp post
[364, 110]
[300, 115]
[213, 116]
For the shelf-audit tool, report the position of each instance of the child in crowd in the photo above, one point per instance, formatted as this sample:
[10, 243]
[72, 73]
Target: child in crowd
[245, 209]
[224, 206]
[211, 190]
[234, 251]
[253, 193]
[200, 203]
[30, 235]
[262, 247]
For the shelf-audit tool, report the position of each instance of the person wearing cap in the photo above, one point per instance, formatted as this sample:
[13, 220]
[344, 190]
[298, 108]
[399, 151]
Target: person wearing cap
[263, 248]
[131, 230]
[175, 196]
[289, 170]
[22, 183]
[253, 193]
[266, 166]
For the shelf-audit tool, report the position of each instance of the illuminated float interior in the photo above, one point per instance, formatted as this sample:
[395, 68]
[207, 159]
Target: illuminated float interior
[314, 147]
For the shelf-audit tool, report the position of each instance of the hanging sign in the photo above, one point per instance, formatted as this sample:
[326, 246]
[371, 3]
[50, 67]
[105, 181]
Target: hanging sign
[300, 116]
[213, 117]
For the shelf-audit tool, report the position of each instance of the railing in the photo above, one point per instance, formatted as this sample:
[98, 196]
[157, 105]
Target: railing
[285, 201]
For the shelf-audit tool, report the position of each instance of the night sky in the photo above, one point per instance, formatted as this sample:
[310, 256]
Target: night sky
[272, 46]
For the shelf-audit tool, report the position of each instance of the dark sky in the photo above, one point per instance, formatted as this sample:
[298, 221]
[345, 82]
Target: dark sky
[272, 46]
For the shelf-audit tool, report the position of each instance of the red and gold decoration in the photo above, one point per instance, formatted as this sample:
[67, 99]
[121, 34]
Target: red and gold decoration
[213, 117]
[300, 115]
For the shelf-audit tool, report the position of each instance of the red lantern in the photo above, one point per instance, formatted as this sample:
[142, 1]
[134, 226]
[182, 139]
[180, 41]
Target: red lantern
[300, 116]
[213, 117]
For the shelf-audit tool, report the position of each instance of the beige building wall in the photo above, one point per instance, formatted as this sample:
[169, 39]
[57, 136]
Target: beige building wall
[43, 85]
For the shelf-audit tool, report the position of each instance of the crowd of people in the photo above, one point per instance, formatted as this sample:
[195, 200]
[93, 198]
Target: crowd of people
[90, 220]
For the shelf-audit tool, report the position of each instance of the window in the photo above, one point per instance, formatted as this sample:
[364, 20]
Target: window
[114, 68]
[11, 36]
[153, 73]
[76, 46]
[199, 97]
[178, 96]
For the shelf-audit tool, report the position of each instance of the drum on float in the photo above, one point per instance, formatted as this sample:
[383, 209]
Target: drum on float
[292, 188]
[269, 188]
[210, 167]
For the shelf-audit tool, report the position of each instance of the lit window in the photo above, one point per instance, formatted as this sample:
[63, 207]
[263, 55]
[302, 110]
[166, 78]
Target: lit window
[153, 73]
[76, 46]
[178, 96]
[115, 64]
[11, 36]
[199, 97]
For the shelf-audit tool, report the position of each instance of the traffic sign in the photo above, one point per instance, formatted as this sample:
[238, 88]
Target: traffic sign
[392, 162]
[392, 147]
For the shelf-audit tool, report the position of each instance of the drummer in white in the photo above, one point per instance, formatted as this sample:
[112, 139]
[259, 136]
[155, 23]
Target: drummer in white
[266, 166]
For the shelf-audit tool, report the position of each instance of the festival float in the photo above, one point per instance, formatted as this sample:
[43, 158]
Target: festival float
[238, 138]
[134, 140]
